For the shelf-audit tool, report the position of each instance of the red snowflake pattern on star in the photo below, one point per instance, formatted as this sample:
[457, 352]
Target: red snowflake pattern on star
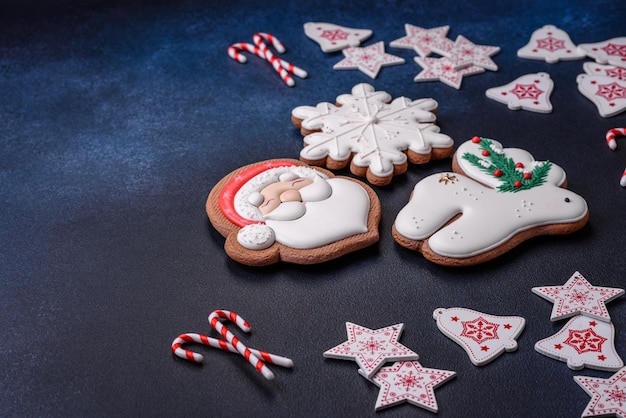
[334, 35]
[611, 91]
[371, 348]
[480, 330]
[608, 396]
[526, 91]
[372, 345]
[577, 295]
[550, 44]
[408, 381]
[585, 340]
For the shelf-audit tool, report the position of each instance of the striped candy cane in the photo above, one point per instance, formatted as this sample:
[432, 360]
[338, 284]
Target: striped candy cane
[284, 74]
[261, 50]
[611, 134]
[214, 319]
[278, 45]
[258, 41]
[610, 140]
[222, 345]
[233, 51]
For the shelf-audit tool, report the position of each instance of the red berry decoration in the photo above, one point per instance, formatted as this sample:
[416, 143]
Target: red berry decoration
[486, 153]
[476, 140]
[497, 173]
[527, 175]
[517, 184]
[519, 165]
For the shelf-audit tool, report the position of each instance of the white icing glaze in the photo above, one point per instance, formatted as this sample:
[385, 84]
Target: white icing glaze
[374, 131]
[340, 216]
[256, 236]
[488, 217]
[242, 203]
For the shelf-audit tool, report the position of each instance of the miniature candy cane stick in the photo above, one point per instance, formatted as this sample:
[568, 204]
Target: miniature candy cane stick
[611, 134]
[233, 51]
[274, 41]
[222, 345]
[284, 74]
[231, 338]
[610, 140]
[258, 40]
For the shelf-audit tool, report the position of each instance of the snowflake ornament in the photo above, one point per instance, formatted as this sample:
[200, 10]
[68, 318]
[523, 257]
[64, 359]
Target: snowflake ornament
[608, 396]
[422, 41]
[583, 342]
[608, 94]
[551, 44]
[529, 92]
[369, 59]
[578, 296]
[372, 133]
[371, 348]
[484, 337]
[408, 381]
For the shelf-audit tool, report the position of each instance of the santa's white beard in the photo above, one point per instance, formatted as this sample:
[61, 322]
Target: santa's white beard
[288, 211]
[341, 215]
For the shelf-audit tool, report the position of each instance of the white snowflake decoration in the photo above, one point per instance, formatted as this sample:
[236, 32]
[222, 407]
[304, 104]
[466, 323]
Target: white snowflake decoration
[370, 127]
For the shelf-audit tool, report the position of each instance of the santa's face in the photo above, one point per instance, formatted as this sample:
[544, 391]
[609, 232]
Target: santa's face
[285, 200]
[281, 192]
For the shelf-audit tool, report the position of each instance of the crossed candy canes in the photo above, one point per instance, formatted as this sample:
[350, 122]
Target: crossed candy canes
[261, 50]
[610, 140]
[230, 343]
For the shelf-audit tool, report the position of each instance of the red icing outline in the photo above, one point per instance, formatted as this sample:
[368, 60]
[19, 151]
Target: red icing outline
[226, 200]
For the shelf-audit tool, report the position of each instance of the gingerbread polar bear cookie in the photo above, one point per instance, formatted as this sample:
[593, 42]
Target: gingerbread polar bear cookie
[375, 135]
[284, 210]
[495, 199]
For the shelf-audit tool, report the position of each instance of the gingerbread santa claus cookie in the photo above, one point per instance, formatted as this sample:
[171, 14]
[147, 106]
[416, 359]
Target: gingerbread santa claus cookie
[494, 199]
[376, 136]
[284, 210]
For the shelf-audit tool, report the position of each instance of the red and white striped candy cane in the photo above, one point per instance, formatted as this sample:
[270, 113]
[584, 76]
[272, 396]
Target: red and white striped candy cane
[611, 134]
[222, 345]
[233, 51]
[258, 41]
[610, 140]
[214, 319]
[273, 40]
[284, 74]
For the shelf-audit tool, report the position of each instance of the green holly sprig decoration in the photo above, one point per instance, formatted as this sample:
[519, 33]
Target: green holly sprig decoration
[510, 173]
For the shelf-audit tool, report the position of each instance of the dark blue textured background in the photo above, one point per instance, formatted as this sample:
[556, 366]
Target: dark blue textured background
[117, 118]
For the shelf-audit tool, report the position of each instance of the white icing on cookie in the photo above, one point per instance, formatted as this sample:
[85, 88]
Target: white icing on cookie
[375, 131]
[256, 237]
[489, 217]
[342, 215]
[242, 203]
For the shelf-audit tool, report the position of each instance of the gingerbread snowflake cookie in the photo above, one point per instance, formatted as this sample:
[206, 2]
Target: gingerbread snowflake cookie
[284, 210]
[375, 135]
[494, 199]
